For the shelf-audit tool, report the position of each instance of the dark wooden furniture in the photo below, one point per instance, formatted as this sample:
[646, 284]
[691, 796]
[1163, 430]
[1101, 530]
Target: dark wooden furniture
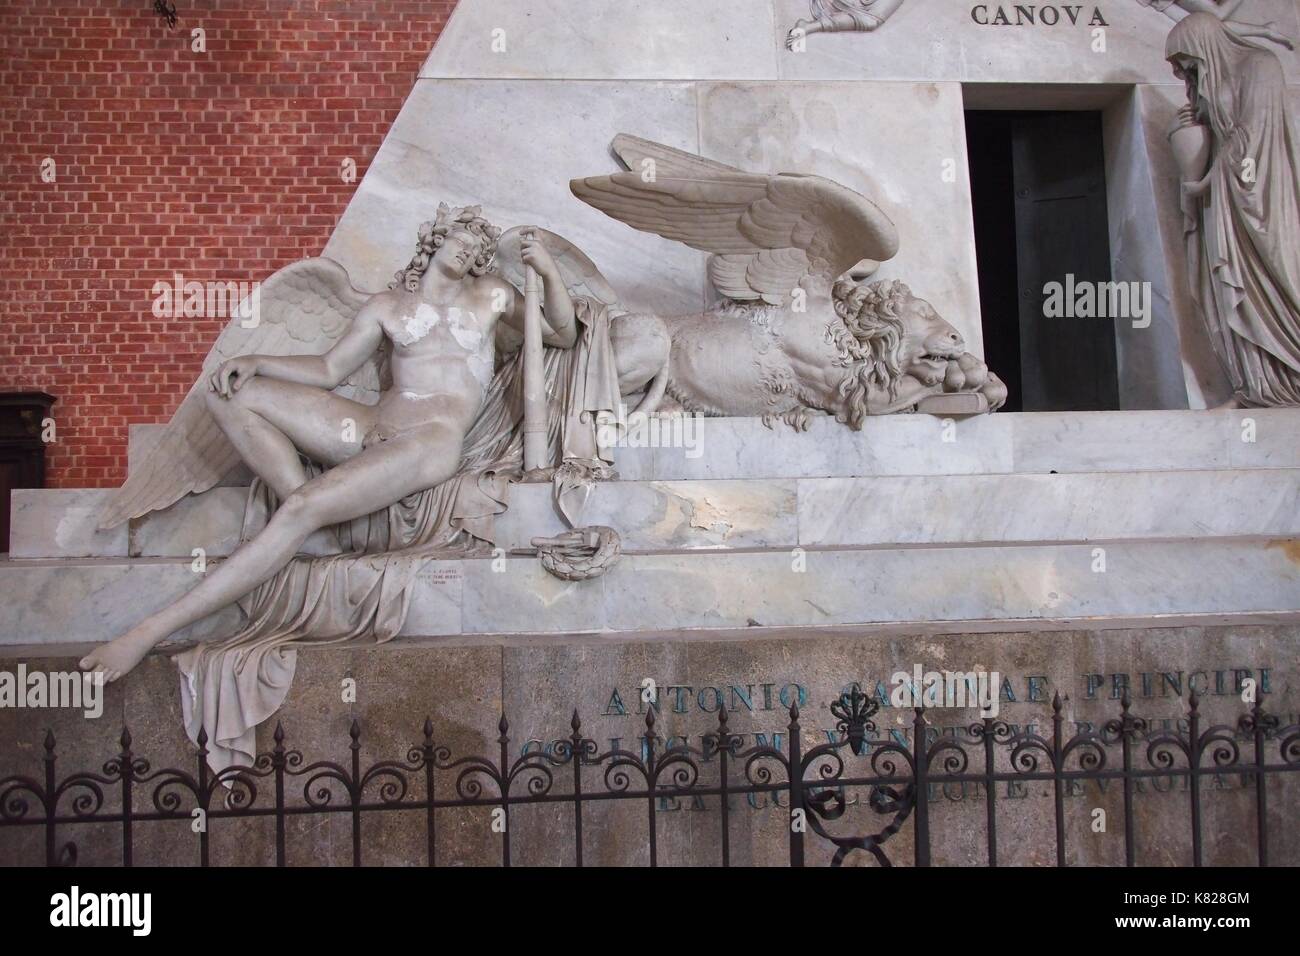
[22, 452]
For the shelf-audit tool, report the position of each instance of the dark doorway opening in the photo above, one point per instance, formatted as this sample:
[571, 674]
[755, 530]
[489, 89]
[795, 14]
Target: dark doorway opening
[1038, 188]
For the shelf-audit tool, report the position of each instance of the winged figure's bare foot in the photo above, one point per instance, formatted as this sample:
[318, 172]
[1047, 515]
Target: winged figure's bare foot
[119, 656]
[800, 29]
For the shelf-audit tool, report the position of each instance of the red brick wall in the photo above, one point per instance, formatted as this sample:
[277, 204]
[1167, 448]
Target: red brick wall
[223, 165]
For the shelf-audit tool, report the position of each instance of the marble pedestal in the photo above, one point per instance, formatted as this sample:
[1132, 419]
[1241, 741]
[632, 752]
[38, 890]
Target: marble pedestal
[1041, 520]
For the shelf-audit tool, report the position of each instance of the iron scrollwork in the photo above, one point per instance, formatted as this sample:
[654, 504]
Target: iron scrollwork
[897, 779]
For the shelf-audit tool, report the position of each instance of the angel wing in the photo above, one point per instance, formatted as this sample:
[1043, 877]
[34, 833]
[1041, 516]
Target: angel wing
[645, 156]
[766, 232]
[303, 309]
[581, 277]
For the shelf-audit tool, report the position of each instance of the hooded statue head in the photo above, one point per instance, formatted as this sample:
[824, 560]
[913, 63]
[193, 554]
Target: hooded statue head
[1206, 55]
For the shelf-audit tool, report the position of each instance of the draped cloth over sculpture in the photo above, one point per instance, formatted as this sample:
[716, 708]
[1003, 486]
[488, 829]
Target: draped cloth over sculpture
[1243, 234]
[228, 687]
[823, 11]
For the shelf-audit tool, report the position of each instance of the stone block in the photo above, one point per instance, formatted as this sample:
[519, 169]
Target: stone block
[82, 600]
[1064, 507]
[62, 522]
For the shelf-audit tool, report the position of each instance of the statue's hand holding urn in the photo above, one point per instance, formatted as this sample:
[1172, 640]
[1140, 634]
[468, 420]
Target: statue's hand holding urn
[1192, 144]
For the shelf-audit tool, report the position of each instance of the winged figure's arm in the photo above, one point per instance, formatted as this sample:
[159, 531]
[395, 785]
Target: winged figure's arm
[557, 310]
[364, 335]
[559, 324]
[577, 275]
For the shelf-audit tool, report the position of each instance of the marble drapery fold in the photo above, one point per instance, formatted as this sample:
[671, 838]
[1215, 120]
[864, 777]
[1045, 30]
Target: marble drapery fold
[1243, 234]
[824, 11]
[230, 686]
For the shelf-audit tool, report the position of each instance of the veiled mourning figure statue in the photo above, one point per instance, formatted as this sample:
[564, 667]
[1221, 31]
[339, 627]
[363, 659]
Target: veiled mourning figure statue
[1237, 150]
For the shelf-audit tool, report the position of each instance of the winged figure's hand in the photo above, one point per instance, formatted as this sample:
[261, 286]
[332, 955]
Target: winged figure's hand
[233, 374]
[1186, 116]
[535, 254]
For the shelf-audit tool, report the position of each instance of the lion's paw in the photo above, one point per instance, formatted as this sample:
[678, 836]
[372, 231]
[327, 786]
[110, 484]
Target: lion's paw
[995, 391]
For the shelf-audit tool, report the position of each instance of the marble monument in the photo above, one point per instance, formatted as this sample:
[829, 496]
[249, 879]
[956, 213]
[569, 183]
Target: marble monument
[714, 419]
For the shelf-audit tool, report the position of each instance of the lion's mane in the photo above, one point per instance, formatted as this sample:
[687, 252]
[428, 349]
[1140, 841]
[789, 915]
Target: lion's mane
[870, 338]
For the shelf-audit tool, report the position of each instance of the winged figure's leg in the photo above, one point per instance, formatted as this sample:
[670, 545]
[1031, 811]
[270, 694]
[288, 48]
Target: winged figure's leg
[269, 421]
[375, 478]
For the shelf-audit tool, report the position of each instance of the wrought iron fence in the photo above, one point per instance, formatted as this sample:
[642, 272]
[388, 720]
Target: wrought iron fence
[814, 782]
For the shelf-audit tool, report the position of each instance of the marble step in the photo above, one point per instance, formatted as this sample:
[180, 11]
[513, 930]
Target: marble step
[998, 444]
[1026, 586]
[760, 513]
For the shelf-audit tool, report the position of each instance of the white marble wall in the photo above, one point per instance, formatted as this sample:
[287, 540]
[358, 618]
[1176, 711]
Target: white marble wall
[1037, 586]
[1037, 443]
[880, 111]
[744, 39]
[1148, 359]
[79, 601]
[783, 513]
[513, 146]
[901, 144]
[1007, 478]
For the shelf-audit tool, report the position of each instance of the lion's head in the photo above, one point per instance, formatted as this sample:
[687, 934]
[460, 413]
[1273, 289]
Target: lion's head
[885, 334]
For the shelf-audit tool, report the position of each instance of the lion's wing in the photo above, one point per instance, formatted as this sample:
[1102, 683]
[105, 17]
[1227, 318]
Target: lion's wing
[304, 309]
[646, 157]
[765, 232]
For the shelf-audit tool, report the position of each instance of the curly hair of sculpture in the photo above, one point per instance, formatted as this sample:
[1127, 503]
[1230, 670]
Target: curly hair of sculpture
[432, 234]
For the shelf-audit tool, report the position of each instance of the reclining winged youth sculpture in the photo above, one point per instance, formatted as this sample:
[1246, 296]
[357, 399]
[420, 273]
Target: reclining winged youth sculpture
[397, 420]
